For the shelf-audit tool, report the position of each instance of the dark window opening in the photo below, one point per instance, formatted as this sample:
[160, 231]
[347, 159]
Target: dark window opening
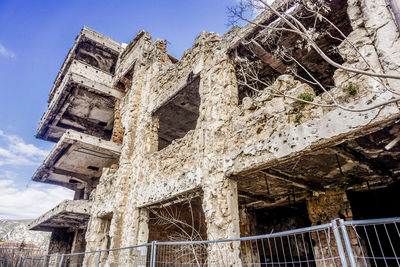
[93, 168]
[260, 51]
[74, 181]
[270, 205]
[272, 220]
[380, 241]
[179, 115]
[125, 82]
[61, 241]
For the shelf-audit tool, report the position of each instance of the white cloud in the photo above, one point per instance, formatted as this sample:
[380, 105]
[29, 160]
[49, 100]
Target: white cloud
[16, 152]
[6, 52]
[8, 174]
[24, 202]
[30, 202]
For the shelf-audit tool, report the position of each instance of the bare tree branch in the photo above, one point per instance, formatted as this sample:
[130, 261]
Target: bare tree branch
[289, 21]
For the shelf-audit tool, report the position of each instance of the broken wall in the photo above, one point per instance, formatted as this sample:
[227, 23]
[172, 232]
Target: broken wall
[266, 129]
[228, 139]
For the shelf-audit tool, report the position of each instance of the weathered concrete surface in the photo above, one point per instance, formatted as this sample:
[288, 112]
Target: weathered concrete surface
[94, 40]
[77, 160]
[84, 100]
[249, 156]
[72, 214]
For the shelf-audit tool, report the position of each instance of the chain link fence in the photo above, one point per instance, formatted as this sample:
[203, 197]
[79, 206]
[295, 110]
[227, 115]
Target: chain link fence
[338, 243]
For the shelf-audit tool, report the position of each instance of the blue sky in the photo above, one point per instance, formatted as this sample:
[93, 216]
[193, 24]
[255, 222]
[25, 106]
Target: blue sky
[35, 37]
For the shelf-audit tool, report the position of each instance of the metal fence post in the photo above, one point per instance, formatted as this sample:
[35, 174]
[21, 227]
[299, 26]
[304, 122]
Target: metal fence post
[339, 243]
[44, 261]
[20, 261]
[153, 254]
[61, 260]
[347, 242]
[98, 259]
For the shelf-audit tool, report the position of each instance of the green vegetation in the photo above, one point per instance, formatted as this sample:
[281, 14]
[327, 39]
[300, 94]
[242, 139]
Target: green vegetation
[298, 118]
[306, 97]
[352, 89]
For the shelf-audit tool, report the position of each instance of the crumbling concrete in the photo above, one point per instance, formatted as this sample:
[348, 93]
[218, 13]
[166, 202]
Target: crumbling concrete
[69, 213]
[187, 129]
[77, 160]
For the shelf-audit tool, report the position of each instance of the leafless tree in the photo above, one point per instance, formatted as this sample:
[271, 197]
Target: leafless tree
[186, 224]
[309, 21]
[182, 229]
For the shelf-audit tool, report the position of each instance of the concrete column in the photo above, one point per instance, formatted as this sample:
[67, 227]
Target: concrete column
[218, 90]
[78, 194]
[220, 205]
[78, 245]
[322, 209]
[381, 26]
[247, 222]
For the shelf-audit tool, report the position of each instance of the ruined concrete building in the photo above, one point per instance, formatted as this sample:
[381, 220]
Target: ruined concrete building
[139, 131]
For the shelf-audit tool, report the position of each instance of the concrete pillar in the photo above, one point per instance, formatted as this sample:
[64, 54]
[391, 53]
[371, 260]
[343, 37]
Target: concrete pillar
[97, 238]
[118, 129]
[78, 194]
[247, 225]
[381, 26]
[143, 228]
[220, 205]
[322, 209]
[78, 245]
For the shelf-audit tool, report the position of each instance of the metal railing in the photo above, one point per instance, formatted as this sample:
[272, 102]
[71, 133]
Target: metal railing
[11, 255]
[338, 243]
[5, 262]
[372, 242]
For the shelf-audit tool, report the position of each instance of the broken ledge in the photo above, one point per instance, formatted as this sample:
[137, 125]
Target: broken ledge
[333, 128]
[67, 214]
[68, 158]
[81, 76]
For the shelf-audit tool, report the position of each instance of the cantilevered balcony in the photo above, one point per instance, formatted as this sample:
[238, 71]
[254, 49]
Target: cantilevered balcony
[77, 160]
[82, 97]
[68, 214]
[93, 48]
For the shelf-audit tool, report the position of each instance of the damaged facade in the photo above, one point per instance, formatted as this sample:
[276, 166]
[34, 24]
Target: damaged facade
[139, 131]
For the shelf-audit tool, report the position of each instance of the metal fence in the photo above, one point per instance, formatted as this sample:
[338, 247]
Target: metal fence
[5, 262]
[338, 243]
[372, 242]
[11, 255]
